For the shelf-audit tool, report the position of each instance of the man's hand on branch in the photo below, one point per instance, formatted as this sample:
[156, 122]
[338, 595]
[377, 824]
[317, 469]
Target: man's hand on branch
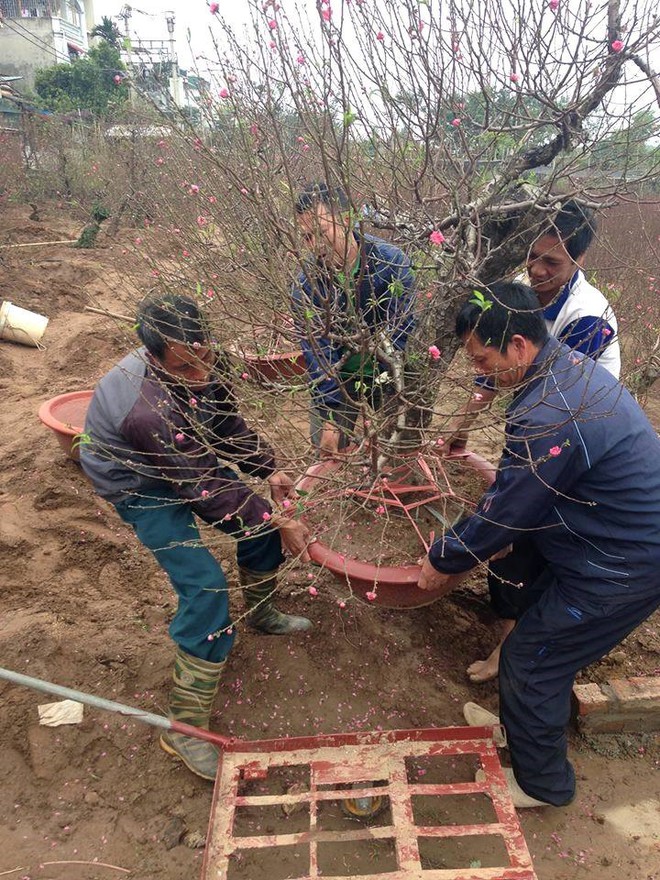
[329, 443]
[430, 579]
[281, 487]
[295, 536]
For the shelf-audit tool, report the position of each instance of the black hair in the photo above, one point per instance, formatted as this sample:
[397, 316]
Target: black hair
[575, 225]
[497, 313]
[170, 318]
[319, 193]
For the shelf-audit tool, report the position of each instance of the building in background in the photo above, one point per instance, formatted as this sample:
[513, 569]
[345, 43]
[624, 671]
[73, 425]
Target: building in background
[40, 33]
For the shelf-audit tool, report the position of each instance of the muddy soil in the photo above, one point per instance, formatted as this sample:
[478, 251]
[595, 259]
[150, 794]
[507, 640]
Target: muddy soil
[83, 605]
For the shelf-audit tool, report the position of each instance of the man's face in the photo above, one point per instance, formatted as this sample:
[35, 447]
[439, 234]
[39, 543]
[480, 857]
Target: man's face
[549, 267]
[188, 364]
[506, 368]
[325, 234]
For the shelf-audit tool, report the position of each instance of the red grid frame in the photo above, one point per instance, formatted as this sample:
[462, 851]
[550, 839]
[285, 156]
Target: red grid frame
[344, 758]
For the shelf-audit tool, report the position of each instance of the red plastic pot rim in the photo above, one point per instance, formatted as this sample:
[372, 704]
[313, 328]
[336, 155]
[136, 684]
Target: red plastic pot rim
[356, 570]
[49, 406]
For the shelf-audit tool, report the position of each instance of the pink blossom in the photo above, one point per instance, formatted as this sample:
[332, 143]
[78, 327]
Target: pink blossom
[265, 516]
[554, 5]
[434, 352]
[439, 442]
[160, 160]
[606, 331]
[341, 604]
[286, 504]
[179, 437]
[202, 221]
[312, 591]
[244, 192]
[254, 129]
[300, 139]
[477, 396]
[456, 122]
[244, 376]
[436, 237]
[193, 401]
[194, 189]
[380, 509]
[224, 93]
[300, 59]
[326, 14]
[555, 451]
[117, 79]
[212, 200]
[514, 77]
[370, 595]
[380, 36]
[205, 493]
[213, 8]
[138, 241]
[617, 45]
[306, 148]
[272, 24]
[273, 44]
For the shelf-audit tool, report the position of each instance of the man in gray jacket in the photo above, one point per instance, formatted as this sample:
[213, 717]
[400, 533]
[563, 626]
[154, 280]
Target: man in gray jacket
[160, 428]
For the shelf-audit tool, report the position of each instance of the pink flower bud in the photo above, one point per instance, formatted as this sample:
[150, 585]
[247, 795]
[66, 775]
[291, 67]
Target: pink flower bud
[205, 493]
[371, 596]
[265, 516]
[193, 401]
[286, 504]
[555, 451]
[313, 591]
[179, 437]
[244, 376]
[617, 46]
[380, 36]
[456, 122]
[341, 604]
[213, 8]
[436, 237]
[224, 93]
[272, 24]
[434, 352]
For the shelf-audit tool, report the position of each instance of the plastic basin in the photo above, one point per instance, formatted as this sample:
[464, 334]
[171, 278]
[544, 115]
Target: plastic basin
[395, 586]
[65, 416]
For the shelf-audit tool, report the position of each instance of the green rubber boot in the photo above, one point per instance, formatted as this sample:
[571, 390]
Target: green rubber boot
[259, 588]
[191, 700]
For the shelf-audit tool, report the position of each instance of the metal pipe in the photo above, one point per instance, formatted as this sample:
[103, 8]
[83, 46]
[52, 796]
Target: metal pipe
[154, 720]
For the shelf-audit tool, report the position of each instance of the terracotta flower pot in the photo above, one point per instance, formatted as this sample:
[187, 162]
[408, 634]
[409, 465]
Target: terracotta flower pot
[394, 586]
[65, 416]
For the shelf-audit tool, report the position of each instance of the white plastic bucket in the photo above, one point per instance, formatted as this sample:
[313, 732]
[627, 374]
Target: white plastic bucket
[20, 325]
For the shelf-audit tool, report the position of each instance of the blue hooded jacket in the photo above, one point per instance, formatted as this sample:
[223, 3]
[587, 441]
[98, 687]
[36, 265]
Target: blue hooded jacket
[384, 300]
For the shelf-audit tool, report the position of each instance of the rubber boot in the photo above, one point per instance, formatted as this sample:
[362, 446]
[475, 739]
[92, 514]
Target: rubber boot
[191, 700]
[259, 588]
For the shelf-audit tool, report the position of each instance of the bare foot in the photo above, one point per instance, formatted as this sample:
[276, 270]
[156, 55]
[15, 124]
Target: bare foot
[486, 670]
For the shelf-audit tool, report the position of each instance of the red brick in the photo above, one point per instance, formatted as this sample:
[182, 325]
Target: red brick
[621, 705]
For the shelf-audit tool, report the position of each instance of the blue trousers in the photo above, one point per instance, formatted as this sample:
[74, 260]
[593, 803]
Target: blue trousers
[552, 641]
[166, 526]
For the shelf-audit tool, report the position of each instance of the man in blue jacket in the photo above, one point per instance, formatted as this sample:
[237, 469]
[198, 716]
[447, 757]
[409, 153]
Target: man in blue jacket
[353, 310]
[579, 475]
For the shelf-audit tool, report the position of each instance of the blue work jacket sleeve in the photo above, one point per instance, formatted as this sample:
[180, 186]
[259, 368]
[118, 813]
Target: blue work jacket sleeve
[539, 466]
[399, 282]
[312, 327]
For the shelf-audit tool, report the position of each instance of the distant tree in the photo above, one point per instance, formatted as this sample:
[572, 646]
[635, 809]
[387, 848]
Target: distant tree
[108, 32]
[95, 83]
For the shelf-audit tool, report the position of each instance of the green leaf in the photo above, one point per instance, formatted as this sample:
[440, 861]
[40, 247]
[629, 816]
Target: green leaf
[478, 299]
[349, 118]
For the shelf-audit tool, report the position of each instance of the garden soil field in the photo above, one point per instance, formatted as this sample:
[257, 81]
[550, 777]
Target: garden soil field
[83, 605]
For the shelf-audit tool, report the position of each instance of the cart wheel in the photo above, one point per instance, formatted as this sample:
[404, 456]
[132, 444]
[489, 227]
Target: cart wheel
[363, 808]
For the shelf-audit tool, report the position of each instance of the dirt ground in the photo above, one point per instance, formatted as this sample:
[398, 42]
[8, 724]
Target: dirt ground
[83, 605]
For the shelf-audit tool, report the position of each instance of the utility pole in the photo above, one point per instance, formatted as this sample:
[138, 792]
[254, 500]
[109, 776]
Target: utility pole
[176, 85]
[125, 13]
